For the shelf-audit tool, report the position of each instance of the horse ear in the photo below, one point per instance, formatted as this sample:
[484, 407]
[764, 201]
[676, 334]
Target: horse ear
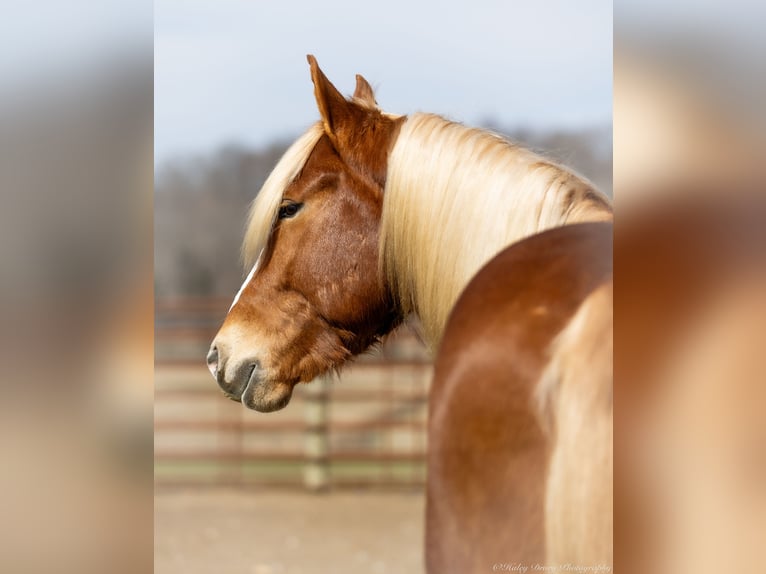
[333, 107]
[364, 93]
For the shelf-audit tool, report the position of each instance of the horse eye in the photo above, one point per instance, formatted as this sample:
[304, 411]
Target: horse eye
[289, 210]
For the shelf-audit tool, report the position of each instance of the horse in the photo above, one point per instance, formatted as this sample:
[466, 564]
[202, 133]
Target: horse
[503, 255]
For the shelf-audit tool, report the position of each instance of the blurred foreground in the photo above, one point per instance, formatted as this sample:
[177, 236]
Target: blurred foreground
[690, 294]
[76, 288]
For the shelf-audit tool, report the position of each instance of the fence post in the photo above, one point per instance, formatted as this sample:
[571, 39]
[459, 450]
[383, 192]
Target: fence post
[316, 447]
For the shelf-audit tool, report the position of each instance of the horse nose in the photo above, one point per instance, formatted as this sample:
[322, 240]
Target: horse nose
[212, 361]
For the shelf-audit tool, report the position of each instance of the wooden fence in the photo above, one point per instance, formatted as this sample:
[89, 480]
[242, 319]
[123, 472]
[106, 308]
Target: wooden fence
[364, 428]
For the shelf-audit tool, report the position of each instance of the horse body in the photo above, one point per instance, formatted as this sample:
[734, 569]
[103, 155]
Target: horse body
[369, 217]
[489, 446]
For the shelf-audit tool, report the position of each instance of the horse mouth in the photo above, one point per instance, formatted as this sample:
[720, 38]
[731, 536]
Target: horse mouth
[256, 391]
[235, 392]
[263, 395]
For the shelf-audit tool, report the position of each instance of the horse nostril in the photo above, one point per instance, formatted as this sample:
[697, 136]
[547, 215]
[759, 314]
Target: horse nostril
[212, 360]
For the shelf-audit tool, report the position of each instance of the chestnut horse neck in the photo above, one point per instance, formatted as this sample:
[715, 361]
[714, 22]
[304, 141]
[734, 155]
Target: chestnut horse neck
[454, 198]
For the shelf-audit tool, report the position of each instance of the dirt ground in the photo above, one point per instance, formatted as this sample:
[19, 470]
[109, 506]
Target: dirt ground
[275, 532]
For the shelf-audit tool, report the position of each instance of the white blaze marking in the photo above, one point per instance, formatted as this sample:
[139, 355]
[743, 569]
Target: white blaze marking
[247, 281]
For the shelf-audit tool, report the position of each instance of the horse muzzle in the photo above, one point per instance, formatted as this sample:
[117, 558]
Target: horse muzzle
[248, 383]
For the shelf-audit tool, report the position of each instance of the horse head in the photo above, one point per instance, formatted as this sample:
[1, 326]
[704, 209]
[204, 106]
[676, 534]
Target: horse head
[314, 296]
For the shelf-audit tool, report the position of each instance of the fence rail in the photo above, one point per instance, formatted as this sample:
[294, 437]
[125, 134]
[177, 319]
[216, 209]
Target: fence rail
[364, 428]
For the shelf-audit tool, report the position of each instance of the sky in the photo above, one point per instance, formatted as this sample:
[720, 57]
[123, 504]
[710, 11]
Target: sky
[235, 71]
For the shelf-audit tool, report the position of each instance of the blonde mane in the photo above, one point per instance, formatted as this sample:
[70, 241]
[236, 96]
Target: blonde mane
[264, 210]
[455, 197]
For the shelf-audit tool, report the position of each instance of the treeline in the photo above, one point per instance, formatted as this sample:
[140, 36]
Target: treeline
[201, 204]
